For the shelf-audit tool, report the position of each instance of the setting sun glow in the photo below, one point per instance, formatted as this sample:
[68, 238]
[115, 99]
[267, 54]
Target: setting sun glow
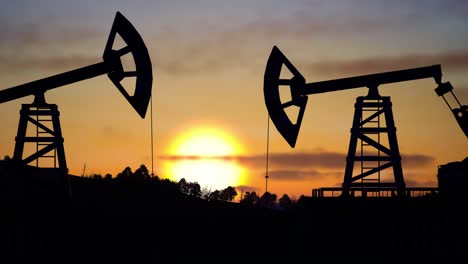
[204, 155]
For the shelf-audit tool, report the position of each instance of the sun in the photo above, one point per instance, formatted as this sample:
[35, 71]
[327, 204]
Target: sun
[206, 155]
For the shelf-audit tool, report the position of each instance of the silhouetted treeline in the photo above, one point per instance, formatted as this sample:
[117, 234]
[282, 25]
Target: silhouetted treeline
[129, 184]
[142, 176]
[193, 189]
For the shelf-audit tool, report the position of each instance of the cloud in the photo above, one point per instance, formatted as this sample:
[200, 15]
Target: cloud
[29, 47]
[196, 157]
[296, 160]
[324, 160]
[48, 44]
[242, 45]
[329, 160]
[416, 160]
[461, 93]
[208, 56]
[450, 61]
[411, 181]
[294, 175]
[302, 164]
[238, 45]
[245, 188]
[58, 63]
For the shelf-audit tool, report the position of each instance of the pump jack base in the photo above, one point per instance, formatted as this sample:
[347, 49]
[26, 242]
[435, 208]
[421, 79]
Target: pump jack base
[22, 183]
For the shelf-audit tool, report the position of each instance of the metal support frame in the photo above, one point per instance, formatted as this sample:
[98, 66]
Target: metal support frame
[48, 141]
[45, 117]
[364, 129]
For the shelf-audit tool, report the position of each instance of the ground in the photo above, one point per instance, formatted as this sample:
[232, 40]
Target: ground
[142, 223]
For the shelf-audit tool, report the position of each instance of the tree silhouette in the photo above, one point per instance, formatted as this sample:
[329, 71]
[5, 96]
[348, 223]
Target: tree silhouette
[267, 200]
[285, 201]
[189, 188]
[183, 186]
[194, 189]
[250, 198]
[168, 186]
[108, 177]
[214, 196]
[126, 175]
[96, 177]
[228, 194]
[205, 193]
[141, 174]
[302, 201]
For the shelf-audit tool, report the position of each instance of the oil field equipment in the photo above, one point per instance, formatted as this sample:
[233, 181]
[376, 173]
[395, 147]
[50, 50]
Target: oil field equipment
[45, 116]
[373, 117]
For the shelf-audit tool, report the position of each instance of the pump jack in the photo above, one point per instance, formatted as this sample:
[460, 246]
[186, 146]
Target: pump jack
[365, 127]
[45, 116]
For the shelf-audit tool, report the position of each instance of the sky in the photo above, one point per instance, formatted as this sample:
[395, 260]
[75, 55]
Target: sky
[208, 60]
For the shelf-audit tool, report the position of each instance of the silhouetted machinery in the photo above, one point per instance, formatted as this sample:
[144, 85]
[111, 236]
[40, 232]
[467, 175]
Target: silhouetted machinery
[453, 178]
[45, 117]
[371, 112]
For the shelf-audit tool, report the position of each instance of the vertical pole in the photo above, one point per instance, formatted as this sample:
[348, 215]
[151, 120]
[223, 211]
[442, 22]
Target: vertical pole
[395, 152]
[60, 150]
[352, 146]
[21, 134]
[58, 139]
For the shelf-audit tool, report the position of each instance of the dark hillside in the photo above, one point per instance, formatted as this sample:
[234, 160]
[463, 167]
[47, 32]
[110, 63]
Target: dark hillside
[105, 222]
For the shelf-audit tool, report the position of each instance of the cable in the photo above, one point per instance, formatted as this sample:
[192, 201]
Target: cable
[152, 154]
[267, 153]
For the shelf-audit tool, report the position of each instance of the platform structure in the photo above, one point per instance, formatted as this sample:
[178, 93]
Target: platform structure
[39, 149]
[381, 191]
[48, 139]
[373, 124]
